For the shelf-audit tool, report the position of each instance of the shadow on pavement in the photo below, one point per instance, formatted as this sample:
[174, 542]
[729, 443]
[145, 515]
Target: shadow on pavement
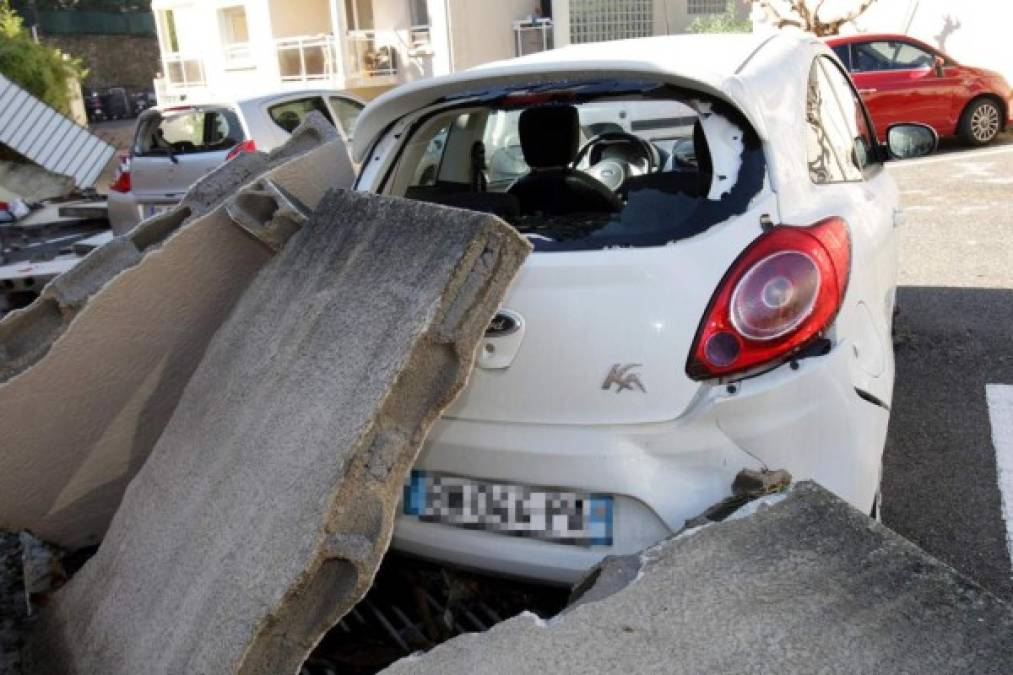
[939, 478]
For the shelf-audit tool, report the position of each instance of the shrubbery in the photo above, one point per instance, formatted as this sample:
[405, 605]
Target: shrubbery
[44, 72]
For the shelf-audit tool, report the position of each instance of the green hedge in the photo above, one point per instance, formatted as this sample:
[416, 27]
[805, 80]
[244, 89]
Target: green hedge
[96, 23]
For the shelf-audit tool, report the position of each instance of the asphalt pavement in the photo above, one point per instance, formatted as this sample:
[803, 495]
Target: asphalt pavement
[953, 335]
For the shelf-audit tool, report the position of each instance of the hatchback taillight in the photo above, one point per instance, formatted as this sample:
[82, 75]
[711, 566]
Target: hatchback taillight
[780, 294]
[245, 146]
[121, 182]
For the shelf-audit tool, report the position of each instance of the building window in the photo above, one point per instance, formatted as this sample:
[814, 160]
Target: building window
[601, 20]
[359, 14]
[167, 24]
[419, 12]
[419, 30]
[235, 36]
[706, 6]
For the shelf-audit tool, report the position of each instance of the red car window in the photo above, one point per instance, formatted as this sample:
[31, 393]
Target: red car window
[889, 55]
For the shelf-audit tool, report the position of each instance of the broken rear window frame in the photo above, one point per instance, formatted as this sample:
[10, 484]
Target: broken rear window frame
[701, 213]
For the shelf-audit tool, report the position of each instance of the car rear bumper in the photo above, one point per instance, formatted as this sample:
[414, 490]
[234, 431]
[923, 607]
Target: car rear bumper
[127, 209]
[808, 421]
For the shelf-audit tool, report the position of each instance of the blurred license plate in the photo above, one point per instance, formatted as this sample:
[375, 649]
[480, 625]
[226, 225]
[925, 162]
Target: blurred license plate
[560, 516]
[149, 210]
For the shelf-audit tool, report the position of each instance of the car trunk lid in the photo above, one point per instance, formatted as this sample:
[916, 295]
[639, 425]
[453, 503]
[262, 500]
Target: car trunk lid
[602, 337]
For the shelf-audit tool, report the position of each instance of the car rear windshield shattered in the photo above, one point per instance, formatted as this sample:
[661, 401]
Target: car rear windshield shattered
[586, 165]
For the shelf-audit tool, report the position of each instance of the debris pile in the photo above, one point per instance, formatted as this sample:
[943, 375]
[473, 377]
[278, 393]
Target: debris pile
[800, 580]
[110, 344]
[261, 365]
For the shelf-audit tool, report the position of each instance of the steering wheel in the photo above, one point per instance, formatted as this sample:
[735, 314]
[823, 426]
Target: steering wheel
[613, 171]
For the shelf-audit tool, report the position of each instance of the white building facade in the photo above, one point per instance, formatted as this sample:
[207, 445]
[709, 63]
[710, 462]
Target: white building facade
[576, 21]
[218, 49]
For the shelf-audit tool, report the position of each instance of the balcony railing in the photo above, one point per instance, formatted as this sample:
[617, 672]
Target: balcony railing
[306, 58]
[418, 39]
[237, 55]
[183, 71]
[533, 35]
[368, 58]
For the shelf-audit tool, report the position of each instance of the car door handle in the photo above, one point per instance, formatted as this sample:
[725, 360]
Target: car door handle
[867, 91]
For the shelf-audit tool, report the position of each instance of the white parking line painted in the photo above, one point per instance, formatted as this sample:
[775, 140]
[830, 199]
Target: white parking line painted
[951, 157]
[1000, 413]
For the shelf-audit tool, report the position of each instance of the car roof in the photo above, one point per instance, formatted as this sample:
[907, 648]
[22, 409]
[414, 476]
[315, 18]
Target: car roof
[869, 37]
[715, 64]
[260, 98]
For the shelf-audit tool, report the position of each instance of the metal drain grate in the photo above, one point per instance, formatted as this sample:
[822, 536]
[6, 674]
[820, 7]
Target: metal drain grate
[413, 606]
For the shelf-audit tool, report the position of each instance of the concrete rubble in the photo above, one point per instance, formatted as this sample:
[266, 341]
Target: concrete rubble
[797, 582]
[92, 370]
[266, 505]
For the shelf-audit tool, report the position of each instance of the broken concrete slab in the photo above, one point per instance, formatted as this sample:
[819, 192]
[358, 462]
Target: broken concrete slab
[264, 510]
[92, 370]
[804, 584]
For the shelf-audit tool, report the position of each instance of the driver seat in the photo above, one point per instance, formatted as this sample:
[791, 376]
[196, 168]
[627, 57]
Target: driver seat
[549, 137]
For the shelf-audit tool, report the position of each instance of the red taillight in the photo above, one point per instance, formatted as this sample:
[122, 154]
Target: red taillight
[780, 294]
[4, 206]
[244, 146]
[121, 182]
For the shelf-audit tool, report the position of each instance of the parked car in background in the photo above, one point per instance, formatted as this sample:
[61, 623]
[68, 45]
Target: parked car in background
[903, 79]
[174, 146]
[711, 289]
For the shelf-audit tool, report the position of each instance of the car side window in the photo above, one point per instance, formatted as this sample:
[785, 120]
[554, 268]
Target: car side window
[188, 131]
[863, 134]
[889, 55]
[347, 111]
[290, 114]
[844, 54]
[839, 141]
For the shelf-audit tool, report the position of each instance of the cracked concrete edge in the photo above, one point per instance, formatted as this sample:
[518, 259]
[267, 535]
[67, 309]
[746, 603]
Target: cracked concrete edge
[353, 522]
[385, 450]
[674, 621]
[27, 334]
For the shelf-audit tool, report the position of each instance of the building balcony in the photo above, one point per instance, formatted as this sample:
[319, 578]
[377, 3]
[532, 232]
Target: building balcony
[368, 58]
[532, 35]
[307, 58]
[419, 41]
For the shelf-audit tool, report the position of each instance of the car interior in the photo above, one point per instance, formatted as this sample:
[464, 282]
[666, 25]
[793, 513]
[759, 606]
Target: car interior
[187, 132]
[564, 167]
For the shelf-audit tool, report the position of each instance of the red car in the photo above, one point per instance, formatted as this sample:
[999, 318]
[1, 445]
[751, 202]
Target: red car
[903, 80]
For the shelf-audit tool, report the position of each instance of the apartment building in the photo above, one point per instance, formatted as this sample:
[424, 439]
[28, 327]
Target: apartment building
[225, 48]
[577, 21]
[213, 49]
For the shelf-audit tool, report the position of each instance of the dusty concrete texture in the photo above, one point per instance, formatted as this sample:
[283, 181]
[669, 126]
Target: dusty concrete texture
[269, 500]
[31, 182]
[807, 584]
[91, 371]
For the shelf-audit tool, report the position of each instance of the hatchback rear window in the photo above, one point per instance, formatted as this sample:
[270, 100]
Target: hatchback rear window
[180, 132]
[587, 165]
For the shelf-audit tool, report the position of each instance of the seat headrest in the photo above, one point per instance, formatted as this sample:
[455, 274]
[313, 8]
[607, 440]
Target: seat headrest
[550, 135]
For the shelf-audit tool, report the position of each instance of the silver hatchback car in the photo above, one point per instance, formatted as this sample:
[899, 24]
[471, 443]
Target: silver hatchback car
[174, 146]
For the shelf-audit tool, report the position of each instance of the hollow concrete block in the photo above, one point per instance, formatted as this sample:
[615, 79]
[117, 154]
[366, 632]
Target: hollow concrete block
[266, 505]
[92, 370]
[799, 583]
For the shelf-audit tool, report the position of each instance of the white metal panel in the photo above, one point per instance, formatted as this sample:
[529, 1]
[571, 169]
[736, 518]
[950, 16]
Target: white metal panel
[43, 135]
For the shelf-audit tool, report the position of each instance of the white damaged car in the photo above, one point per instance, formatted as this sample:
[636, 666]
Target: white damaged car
[711, 289]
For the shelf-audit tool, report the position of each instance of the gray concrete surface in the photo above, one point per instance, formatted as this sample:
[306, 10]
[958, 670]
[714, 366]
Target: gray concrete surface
[807, 584]
[265, 507]
[92, 370]
[953, 335]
